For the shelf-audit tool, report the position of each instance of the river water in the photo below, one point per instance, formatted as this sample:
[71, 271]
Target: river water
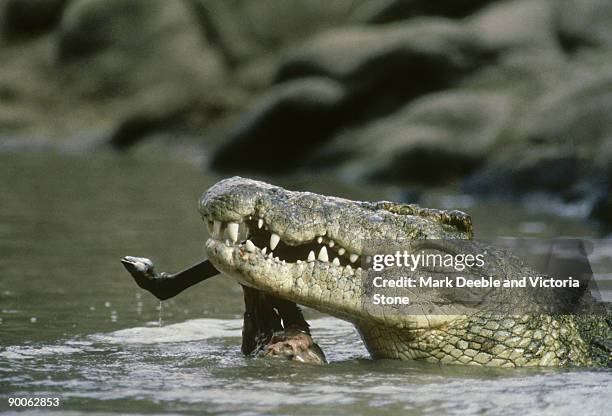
[74, 325]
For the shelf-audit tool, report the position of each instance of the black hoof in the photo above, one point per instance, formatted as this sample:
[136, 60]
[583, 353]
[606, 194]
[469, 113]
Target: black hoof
[141, 270]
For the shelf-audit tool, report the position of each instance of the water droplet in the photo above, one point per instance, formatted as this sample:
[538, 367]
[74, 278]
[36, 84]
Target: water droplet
[107, 304]
[159, 318]
[33, 319]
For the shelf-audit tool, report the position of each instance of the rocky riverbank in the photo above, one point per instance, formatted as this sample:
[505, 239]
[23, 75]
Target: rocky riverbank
[494, 98]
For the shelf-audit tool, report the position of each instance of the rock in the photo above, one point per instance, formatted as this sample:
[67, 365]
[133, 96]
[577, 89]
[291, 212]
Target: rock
[383, 67]
[253, 32]
[432, 140]
[559, 144]
[528, 61]
[515, 24]
[22, 18]
[248, 29]
[385, 11]
[526, 73]
[146, 60]
[277, 24]
[365, 54]
[287, 124]
[584, 23]
[155, 110]
[119, 47]
[220, 21]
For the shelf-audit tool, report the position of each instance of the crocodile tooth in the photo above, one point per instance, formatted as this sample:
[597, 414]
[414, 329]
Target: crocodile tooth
[348, 269]
[216, 229]
[283, 262]
[250, 247]
[359, 269]
[259, 223]
[323, 254]
[353, 257]
[276, 259]
[274, 239]
[243, 231]
[264, 250]
[319, 240]
[311, 256]
[341, 251]
[336, 262]
[232, 230]
[331, 243]
[299, 262]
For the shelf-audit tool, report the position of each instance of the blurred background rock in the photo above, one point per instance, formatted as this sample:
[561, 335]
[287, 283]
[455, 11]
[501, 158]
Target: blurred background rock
[490, 98]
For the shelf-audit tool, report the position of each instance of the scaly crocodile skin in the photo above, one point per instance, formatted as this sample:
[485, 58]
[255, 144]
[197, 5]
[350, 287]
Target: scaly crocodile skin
[302, 219]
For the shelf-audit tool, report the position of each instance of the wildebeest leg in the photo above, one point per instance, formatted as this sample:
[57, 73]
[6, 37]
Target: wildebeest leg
[272, 326]
[275, 327]
[261, 321]
[291, 315]
[166, 285]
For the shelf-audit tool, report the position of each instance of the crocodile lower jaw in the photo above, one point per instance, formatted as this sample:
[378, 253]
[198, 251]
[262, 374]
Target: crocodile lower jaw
[237, 261]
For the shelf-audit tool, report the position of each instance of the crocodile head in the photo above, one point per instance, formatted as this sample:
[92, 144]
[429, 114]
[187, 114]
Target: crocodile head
[307, 248]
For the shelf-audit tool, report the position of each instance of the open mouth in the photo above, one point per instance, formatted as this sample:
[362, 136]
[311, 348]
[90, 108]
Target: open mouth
[253, 235]
[292, 340]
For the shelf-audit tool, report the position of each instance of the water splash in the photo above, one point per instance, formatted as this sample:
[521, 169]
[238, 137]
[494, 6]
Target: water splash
[192, 330]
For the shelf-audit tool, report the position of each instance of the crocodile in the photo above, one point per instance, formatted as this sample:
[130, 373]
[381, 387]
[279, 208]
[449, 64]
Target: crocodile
[287, 248]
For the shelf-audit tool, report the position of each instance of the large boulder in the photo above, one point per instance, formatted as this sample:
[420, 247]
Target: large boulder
[433, 140]
[23, 18]
[249, 27]
[515, 24]
[365, 54]
[345, 77]
[251, 34]
[560, 144]
[284, 127]
[119, 47]
[383, 67]
[584, 23]
[385, 11]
